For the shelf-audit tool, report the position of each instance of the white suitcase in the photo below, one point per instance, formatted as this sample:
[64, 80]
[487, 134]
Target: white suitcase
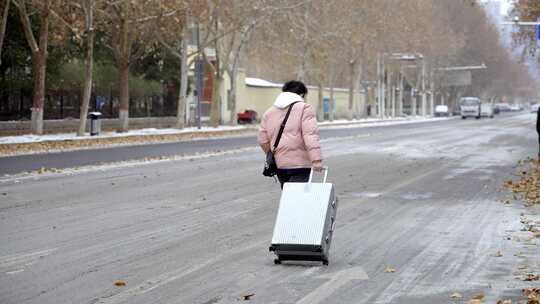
[305, 221]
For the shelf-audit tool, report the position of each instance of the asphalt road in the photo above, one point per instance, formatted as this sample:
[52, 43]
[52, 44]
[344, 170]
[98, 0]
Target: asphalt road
[24, 163]
[421, 199]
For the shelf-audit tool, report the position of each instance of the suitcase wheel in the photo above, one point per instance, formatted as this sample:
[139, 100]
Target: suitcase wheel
[325, 262]
[277, 261]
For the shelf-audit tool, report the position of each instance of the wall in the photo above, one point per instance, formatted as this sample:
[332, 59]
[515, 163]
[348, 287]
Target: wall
[261, 97]
[71, 125]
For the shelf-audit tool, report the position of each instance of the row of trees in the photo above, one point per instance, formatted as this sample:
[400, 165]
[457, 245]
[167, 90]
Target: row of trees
[335, 43]
[526, 36]
[324, 42]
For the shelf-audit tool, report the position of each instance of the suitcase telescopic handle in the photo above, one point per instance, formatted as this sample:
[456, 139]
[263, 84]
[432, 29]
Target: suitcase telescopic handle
[325, 169]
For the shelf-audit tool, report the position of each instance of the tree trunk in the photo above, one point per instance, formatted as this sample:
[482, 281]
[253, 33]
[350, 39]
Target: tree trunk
[232, 99]
[3, 25]
[350, 111]
[123, 80]
[215, 107]
[88, 69]
[234, 73]
[40, 69]
[361, 109]
[320, 105]
[331, 114]
[38, 99]
[39, 60]
[182, 94]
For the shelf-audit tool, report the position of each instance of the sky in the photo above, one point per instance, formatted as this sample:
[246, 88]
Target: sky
[505, 5]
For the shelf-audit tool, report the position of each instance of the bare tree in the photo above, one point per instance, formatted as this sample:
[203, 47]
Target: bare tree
[129, 35]
[3, 24]
[173, 33]
[88, 7]
[39, 54]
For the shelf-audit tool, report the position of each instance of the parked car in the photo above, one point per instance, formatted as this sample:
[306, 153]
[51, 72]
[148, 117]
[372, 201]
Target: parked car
[503, 107]
[248, 116]
[515, 108]
[486, 110]
[441, 110]
[470, 107]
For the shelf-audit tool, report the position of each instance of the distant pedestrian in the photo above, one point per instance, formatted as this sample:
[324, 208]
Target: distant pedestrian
[299, 149]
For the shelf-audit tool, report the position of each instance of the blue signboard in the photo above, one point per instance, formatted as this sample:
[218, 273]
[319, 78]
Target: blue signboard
[538, 35]
[326, 105]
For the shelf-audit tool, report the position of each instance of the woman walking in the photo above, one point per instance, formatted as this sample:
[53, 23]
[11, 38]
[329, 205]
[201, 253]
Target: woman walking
[299, 149]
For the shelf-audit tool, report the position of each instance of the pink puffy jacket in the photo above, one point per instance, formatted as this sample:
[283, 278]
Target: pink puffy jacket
[299, 145]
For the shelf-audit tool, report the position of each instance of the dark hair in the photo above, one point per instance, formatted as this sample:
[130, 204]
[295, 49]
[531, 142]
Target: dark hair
[296, 87]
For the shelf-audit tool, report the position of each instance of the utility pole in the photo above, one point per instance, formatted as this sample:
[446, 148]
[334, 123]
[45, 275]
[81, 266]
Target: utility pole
[393, 101]
[400, 111]
[413, 102]
[383, 93]
[432, 95]
[443, 101]
[379, 89]
[423, 87]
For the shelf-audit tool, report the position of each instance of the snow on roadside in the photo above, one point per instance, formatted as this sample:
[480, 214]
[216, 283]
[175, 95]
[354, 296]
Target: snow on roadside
[379, 122]
[29, 138]
[336, 124]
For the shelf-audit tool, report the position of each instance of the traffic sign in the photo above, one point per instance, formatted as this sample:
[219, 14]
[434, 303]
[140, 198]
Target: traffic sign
[538, 34]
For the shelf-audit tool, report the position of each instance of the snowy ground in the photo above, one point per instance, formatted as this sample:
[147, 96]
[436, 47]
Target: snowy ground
[29, 138]
[421, 199]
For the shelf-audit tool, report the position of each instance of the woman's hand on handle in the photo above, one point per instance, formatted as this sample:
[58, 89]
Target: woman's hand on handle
[265, 147]
[317, 165]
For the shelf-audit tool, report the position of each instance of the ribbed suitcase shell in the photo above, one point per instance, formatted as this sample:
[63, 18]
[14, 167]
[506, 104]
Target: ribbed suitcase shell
[304, 223]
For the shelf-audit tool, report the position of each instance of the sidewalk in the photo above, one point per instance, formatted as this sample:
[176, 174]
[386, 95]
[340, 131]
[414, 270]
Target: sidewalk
[33, 144]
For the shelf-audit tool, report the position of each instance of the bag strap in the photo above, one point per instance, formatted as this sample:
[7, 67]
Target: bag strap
[278, 138]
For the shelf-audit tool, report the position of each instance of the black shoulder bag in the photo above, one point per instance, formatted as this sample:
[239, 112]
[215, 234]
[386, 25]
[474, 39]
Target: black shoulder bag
[270, 166]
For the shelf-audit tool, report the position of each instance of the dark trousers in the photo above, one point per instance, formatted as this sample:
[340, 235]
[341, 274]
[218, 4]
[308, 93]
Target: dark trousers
[300, 175]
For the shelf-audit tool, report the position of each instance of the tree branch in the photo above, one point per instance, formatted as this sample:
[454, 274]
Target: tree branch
[3, 26]
[27, 26]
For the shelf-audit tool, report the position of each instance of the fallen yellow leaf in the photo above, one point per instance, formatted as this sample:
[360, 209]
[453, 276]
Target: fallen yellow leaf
[247, 297]
[479, 296]
[456, 295]
[389, 270]
[120, 283]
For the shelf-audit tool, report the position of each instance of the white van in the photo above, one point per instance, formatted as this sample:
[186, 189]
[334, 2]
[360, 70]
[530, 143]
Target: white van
[441, 110]
[470, 107]
[487, 110]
